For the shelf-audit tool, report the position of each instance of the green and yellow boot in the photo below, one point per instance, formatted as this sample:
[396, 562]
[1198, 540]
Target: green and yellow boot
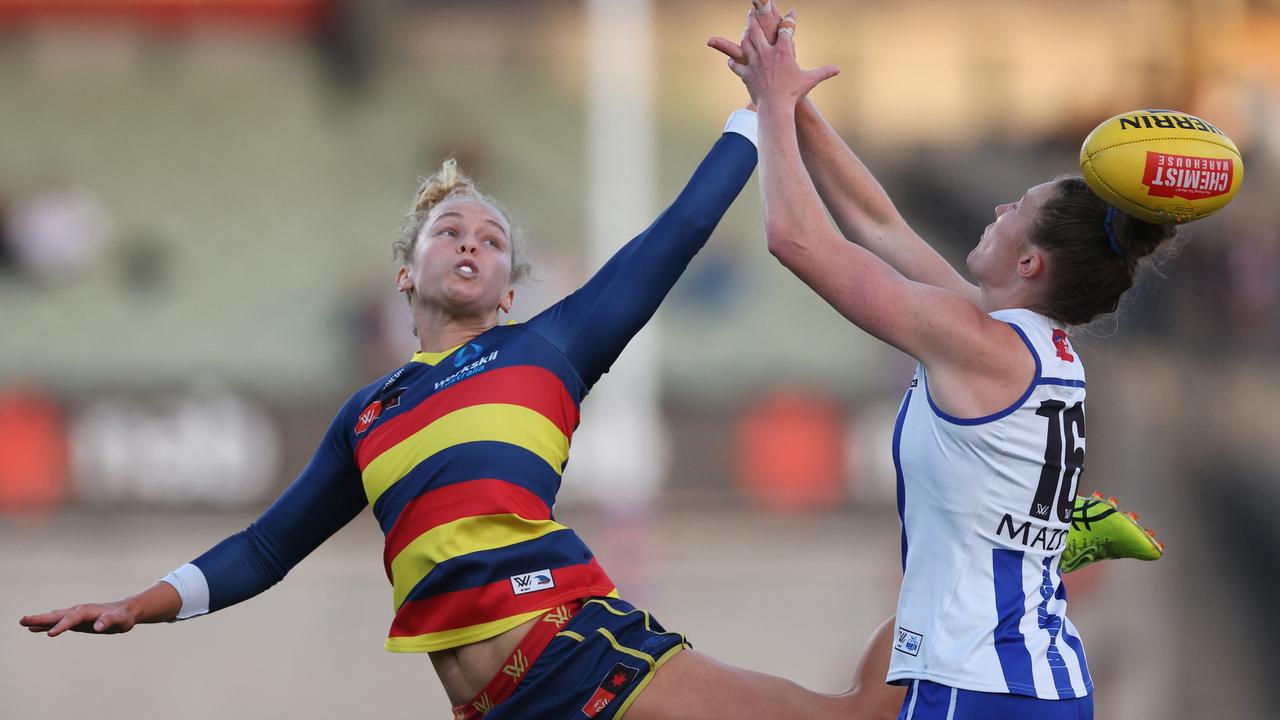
[1100, 530]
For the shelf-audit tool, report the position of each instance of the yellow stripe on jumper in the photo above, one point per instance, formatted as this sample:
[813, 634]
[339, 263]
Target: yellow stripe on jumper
[461, 537]
[458, 637]
[500, 422]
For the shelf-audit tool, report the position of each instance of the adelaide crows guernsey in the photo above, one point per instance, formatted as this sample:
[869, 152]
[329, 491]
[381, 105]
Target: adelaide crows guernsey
[460, 453]
[461, 459]
[985, 506]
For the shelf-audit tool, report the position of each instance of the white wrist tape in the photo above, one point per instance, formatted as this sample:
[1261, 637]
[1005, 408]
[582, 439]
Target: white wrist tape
[192, 587]
[745, 123]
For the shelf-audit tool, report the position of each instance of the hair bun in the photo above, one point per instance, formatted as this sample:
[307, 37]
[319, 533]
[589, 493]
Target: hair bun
[1140, 238]
[445, 182]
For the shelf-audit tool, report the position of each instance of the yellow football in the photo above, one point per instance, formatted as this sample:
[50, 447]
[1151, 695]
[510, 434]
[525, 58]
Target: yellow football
[1162, 165]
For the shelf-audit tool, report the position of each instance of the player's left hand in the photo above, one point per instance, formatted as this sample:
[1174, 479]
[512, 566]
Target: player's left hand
[97, 618]
[771, 73]
[767, 14]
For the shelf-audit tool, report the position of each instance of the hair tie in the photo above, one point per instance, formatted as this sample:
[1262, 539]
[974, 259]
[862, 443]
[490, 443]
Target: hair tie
[1111, 231]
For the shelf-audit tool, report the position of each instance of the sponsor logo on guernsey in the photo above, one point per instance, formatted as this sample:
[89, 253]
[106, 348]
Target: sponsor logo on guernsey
[1062, 345]
[1033, 536]
[908, 642]
[532, 582]
[1185, 176]
[613, 684]
[466, 353]
[465, 371]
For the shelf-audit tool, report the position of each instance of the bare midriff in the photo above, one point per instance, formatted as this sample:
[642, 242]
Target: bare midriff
[464, 671]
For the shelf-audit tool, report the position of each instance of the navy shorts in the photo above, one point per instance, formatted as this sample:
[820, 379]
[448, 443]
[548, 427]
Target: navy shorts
[930, 701]
[595, 667]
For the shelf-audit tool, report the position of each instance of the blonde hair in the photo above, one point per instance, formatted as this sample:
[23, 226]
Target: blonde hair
[446, 184]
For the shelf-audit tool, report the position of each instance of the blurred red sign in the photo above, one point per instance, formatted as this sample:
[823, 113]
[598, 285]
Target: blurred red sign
[33, 452]
[167, 14]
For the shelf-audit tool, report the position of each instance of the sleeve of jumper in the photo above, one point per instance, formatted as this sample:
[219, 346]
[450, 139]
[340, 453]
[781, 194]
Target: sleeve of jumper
[324, 498]
[593, 325]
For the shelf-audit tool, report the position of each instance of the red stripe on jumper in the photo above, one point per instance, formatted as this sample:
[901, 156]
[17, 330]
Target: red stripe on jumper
[527, 385]
[457, 501]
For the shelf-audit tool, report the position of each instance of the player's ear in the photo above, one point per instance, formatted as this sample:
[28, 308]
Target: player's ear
[507, 300]
[404, 283]
[1031, 262]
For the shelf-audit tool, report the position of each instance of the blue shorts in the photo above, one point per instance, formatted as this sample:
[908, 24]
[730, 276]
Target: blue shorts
[595, 667]
[930, 701]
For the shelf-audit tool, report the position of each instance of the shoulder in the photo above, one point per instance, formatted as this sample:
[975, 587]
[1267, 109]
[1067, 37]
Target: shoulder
[1048, 341]
[369, 397]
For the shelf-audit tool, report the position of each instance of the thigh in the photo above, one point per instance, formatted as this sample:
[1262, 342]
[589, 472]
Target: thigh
[872, 697]
[694, 686]
[593, 668]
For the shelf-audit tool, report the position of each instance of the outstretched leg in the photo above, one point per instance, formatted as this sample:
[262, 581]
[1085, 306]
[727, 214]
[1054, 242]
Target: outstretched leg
[870, 697]
[692, 685]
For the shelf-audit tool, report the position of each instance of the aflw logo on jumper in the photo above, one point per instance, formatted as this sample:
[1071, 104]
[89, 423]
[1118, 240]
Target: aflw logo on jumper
[908, 642]
[532, 582]
[374, 410]
[368, 415]
[1184, 176]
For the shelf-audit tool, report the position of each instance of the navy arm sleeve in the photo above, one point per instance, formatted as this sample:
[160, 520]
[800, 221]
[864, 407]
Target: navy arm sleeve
[324, 498]
[593, 325]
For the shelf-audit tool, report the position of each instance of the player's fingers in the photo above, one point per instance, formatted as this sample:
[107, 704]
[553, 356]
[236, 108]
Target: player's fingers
[46, 618]
[767, 14]
[68, 621]
[78, 618]
[818, 75]
[731, 49]
[111, 622]
[750, 51]
[739, 69]
[756, 35]
[786, 32]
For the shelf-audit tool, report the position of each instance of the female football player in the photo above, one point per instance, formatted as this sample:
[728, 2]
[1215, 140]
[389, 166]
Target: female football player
[989, 440]
[459, 453]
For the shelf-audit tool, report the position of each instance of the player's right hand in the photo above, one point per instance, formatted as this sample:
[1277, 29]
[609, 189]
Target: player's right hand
[98, 618]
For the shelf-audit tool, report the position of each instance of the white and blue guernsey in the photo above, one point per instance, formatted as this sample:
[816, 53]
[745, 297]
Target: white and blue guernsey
[985, 505]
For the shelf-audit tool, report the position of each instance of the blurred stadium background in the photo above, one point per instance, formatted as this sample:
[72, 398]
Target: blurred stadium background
[197, 203]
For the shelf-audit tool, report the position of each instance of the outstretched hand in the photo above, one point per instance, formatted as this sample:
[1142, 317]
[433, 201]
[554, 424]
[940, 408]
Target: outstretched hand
[99, 618]
[768, 65]
[767, 14]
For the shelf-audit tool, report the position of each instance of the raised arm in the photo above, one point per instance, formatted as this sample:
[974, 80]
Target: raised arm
[939, 327]
[324, 498]
[855, 199]
[593, 325]
[863, 210]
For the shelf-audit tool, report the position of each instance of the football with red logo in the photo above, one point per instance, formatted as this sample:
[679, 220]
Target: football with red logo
[1162, 166]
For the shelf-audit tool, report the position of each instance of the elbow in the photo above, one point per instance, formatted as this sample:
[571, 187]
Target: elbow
[783, 244]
